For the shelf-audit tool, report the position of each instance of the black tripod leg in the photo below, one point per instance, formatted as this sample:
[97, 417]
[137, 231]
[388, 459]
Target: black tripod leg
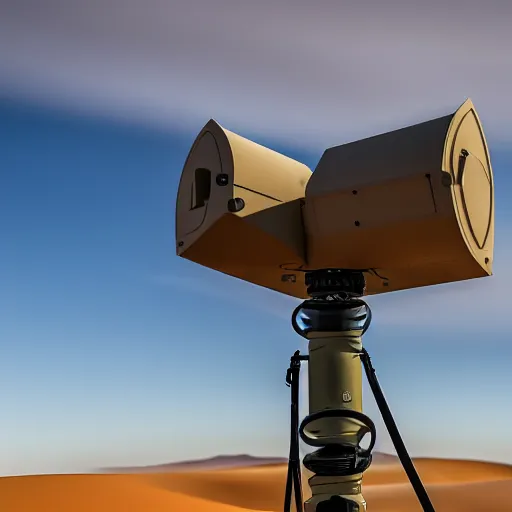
[293, 478]
[398, 443]
[298, 489]
[288, 490]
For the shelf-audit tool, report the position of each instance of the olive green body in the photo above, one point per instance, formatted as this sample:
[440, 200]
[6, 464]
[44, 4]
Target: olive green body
[335, 382]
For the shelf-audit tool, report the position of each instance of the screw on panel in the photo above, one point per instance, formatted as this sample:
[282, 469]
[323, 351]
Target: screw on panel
[222, 180]
[446, 179]
[236, 204]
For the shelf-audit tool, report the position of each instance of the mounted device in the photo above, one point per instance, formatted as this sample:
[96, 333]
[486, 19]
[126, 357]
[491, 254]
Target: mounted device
[410, 208]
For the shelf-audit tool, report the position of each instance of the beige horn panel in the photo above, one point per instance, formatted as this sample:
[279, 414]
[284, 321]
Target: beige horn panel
[472, 183]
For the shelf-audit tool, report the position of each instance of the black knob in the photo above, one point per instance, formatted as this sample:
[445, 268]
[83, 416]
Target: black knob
[235, 205]
[222, 180]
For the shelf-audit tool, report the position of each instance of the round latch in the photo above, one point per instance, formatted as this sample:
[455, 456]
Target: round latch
[236, 205]
[222, 179]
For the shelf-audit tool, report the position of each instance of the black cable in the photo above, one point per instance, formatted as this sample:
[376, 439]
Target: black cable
[398, 443]
[338, 413]
[293, 478]
[368, 318]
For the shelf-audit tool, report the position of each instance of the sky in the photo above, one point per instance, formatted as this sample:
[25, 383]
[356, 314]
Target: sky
[114, 351]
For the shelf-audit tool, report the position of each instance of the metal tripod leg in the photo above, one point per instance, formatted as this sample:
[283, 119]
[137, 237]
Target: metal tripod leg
[293, 478]
[396, 438]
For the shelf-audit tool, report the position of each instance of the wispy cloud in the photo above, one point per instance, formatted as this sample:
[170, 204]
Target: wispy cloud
[315, 73]
[231, 291]
[478, 305]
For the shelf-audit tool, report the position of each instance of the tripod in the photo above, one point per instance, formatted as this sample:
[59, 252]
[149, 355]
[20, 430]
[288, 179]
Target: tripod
[334, 321]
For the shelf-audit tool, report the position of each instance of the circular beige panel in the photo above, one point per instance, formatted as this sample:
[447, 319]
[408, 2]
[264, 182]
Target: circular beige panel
[473, 179]
[477, 198]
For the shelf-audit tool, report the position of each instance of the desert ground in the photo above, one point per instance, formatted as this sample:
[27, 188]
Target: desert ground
[459, 486]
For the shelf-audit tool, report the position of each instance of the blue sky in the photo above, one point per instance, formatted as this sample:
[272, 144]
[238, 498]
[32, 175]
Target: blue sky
[105, 357]
[113, 351]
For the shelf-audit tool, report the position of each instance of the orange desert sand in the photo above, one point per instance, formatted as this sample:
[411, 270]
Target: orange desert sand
[462, 486]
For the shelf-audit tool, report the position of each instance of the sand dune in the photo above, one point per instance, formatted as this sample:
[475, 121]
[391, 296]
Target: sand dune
[438, 471]
[459, 486]
[472, 497]
[213, 463]
[223, 462]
